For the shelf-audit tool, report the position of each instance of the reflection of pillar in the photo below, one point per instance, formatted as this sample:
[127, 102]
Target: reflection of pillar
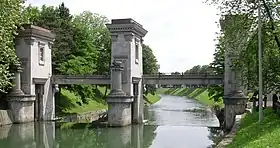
[119, 137]
[119, 104]
[22, 135]
[45, 135]
[4, 131]
[137, 136]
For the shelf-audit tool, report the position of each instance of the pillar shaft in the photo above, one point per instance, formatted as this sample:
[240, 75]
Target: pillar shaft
[116, 82]
[119, 104]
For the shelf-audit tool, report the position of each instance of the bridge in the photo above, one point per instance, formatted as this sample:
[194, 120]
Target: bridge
[33, 96]
[186, 79]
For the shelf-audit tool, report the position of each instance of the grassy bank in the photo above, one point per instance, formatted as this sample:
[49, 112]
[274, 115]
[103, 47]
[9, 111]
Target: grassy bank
[70, 103]
[251, 134]
[199, 94]
[151, 99]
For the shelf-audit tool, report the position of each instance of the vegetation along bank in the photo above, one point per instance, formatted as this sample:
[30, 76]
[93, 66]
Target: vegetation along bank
[251, 134]
[199, 94]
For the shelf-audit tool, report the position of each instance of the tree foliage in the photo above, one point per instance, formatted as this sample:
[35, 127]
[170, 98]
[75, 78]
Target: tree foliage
[239, 37]
[150, 66]
[10, 19]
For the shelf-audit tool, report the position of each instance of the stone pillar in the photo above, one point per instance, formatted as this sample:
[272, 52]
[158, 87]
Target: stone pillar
[21, 105]
[33, 48]
[119, 103]
[127, 37]
[234, 98]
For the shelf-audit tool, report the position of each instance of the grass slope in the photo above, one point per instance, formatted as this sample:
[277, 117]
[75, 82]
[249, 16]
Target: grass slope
[151, 99]
[251, 134]
[70, 103]
[199, 94]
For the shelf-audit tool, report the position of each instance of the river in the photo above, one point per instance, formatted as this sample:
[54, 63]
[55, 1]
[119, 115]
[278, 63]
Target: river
[173, 122]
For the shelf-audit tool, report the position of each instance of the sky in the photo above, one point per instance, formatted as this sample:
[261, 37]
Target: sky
[180, 32]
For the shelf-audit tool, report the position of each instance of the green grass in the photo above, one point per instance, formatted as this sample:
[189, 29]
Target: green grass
[70, 103]
[151, 99]
[199, 94]
[251, 134]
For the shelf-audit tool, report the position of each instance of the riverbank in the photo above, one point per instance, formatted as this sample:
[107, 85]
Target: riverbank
[199, 94]
[251, 134]
[71, 104]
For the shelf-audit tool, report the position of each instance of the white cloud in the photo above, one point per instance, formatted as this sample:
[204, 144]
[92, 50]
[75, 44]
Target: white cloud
[180, 32]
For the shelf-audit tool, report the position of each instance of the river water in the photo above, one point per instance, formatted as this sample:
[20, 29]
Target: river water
[172, 123]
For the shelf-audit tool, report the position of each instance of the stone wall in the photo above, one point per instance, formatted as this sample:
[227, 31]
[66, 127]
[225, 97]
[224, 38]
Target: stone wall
[5, 117]
[84, 117]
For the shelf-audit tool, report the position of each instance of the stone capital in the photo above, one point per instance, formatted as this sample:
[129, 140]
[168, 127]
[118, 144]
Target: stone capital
[114, 37]
[29, 40]
[129, 36]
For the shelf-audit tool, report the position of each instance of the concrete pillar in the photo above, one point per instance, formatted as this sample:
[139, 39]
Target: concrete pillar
[127, 41]
[119, 103]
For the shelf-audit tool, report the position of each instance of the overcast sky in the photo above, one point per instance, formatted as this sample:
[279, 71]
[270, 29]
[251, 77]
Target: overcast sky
[180, 32]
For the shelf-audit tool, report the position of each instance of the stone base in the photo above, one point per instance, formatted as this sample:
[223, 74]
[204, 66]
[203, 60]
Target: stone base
[22, 108]
[119, 110]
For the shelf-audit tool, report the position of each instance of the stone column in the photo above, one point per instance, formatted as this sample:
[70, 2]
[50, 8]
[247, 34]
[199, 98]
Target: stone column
[21, 105]
[16, 90]
[119, 104]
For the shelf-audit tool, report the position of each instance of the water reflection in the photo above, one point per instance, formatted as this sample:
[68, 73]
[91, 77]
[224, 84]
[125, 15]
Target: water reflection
[168, 127]
[45, 135]
[29, 135]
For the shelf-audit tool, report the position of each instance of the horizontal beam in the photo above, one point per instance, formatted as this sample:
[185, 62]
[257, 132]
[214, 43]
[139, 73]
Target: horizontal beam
[93, 79]
[147, 79]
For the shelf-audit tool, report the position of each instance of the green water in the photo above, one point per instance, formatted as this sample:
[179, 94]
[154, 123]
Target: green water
[170, 125]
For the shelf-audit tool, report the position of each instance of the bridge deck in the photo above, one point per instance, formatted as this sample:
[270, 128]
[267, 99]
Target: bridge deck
[147, 79]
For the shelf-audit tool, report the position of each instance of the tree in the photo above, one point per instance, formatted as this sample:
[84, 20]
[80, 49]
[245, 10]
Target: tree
[150, 66]
[10, 18]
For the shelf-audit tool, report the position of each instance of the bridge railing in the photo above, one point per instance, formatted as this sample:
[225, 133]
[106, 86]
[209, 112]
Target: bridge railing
[183, 75]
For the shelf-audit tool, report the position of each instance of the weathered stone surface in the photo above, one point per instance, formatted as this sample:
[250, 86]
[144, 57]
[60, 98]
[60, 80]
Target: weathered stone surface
[22, 108]
[34, 50]
[229, 117]
[119, 112]
[5, 117]
[84, 117]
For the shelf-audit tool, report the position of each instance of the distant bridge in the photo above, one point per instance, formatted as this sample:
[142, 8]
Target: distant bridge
[187, 79]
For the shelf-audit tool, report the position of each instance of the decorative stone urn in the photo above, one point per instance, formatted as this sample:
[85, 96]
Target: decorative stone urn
[238, 101]
[20, 104]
